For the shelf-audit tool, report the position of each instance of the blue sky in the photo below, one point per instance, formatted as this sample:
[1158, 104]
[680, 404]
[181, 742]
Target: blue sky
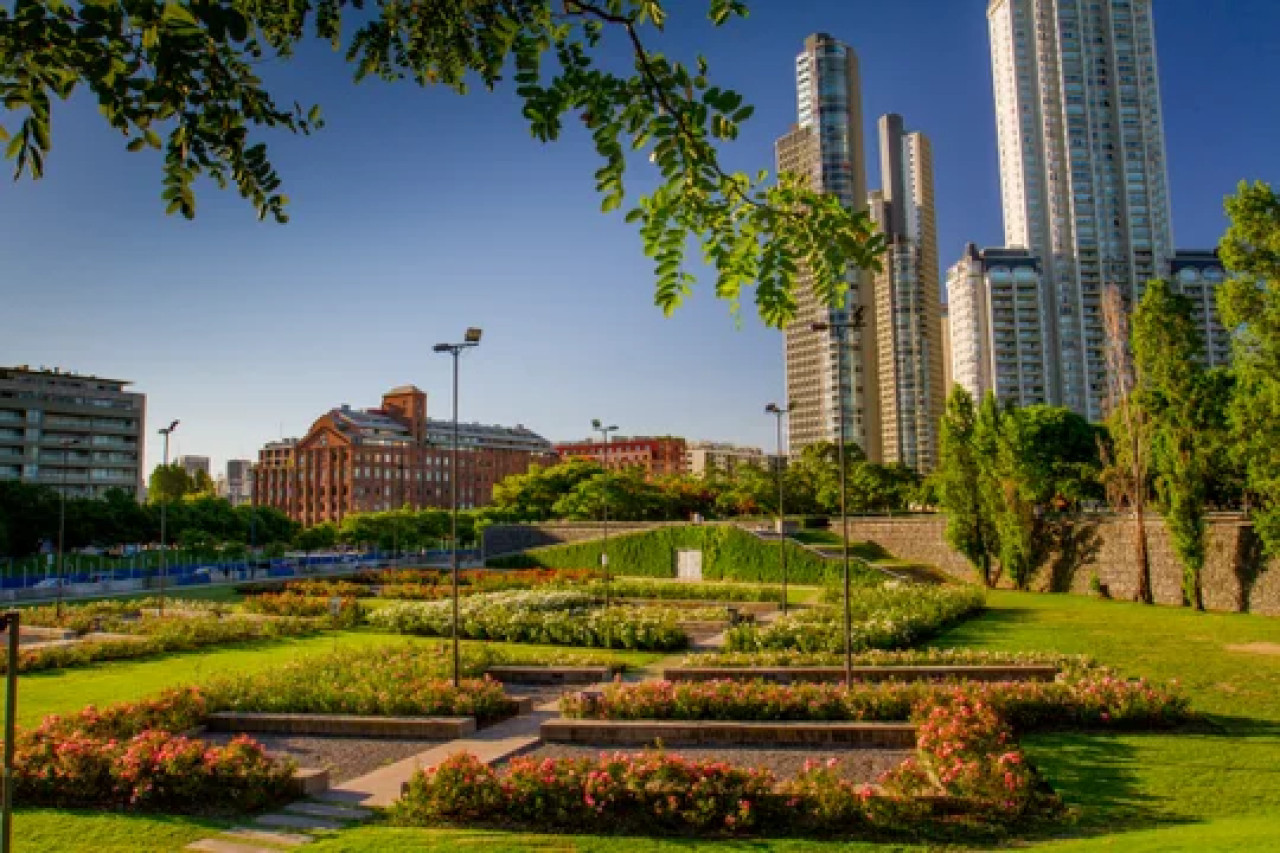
[417, 213]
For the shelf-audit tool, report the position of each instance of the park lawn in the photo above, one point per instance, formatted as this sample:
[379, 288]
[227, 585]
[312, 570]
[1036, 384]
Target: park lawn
[60, 691]
[1215, 787]
[47, 830]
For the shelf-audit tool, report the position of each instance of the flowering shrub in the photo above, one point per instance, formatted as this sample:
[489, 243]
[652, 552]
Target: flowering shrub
[561, 617]
[1099, 700]
[703, 591]
[128, 756]
[325, 588]
[880, 657]
[884, 617]
[642, 791]
[152, 636]
[307, 606]
[378, 682]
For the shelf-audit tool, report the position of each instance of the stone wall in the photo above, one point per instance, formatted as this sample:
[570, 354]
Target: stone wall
[1235, 576]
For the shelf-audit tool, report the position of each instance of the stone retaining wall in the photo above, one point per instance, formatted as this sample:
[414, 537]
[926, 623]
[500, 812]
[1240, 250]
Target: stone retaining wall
[1236, 576]
[346, 725]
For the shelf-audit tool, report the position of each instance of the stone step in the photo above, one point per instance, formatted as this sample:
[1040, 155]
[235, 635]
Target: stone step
[305, 823]
[221, 845]
[329, 810]
[283, 839]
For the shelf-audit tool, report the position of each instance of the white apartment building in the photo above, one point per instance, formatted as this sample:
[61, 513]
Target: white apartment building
[908, 309]
[997, 326]
[1083, 171]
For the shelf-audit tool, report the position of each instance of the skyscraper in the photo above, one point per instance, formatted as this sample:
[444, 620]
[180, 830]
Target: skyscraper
[1082, 168]
[826, 147]
[908, 310]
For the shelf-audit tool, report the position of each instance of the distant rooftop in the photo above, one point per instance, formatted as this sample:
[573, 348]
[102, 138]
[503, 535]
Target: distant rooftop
[58, 373]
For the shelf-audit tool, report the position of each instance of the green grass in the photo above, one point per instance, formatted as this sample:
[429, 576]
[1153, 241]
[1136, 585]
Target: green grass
[1214, 787]
[63, 691]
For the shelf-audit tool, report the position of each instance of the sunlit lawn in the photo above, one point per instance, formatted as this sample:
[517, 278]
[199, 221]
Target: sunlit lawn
[1213, 788]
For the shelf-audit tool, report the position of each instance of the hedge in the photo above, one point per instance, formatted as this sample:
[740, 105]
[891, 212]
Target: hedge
[728, 553]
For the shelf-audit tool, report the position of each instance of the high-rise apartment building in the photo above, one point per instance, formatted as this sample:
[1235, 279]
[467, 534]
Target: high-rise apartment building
[996, 325]
[908, 310]
[81, 435]
[826, 147]
[1196, 275]
[1082, 168]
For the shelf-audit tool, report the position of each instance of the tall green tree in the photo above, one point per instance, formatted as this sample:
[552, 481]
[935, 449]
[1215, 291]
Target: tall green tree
[169, 483]
[1249, 304]
[181, 76]
[1174, 392]
[959, 481]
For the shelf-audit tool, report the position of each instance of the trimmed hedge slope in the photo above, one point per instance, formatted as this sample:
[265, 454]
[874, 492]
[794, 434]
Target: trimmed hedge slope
[728, 553]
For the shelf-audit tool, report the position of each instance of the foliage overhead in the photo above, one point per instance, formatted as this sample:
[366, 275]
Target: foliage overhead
[181, 77]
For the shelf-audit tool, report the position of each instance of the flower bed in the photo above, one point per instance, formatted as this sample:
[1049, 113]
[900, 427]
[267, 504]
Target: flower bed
[129, 756]
[551, 617]
[153, 636]
[625, 588]
[375, 682]
[307, 606]
[888, 617]
[880, 657]
[1099, 700]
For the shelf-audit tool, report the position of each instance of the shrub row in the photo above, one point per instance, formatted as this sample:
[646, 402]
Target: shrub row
[129, 756]
[728, 553]
[888, 617]
[1101, 699]
[157, 636]
[879, 657]
[307, 606]
[379, 682]
[557, 618]
[658, 590]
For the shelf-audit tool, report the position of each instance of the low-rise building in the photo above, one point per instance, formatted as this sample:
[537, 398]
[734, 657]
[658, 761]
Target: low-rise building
[79, 434]
[704, 456]
[369, 460]
[656, 455]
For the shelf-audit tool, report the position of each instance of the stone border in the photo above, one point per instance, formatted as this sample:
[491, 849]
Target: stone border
[835, 674]
[345, 725]
[694, 732]
[550, 674]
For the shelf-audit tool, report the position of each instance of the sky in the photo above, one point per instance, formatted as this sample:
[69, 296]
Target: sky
[417, 213]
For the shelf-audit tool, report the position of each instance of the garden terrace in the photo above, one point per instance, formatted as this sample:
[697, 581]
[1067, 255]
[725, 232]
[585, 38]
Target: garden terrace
[886, 617]
[728, 553]
[555, 617]
[832, 674]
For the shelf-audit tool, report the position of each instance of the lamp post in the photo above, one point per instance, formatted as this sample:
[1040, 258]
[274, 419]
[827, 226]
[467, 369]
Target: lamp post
[604, 553]
[62, 519]
[164, 502]
[470, 339]
[840, 328]
[777, 411]
[9, 622]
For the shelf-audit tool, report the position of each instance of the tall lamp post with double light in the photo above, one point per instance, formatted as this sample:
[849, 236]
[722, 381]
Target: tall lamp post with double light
[841, 329]
[777, 411]
[604, 431]
[470, 339]
[164, 503]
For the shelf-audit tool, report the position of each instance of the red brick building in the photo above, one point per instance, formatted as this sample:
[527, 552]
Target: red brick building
[368, 460]
[657, 456]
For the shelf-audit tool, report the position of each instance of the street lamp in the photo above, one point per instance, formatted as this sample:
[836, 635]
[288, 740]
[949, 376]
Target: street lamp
[777, 411]
[66, 444]
[470, 339]
[604, 553]
[840, 328]
[164, 548]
